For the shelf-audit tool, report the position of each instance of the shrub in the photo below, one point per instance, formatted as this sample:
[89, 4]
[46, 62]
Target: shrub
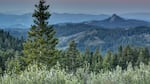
[35, 75]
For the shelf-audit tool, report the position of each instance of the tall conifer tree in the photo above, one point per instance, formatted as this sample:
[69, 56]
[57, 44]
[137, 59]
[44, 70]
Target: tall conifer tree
[73, 57]
[97, 60]
[41, 43]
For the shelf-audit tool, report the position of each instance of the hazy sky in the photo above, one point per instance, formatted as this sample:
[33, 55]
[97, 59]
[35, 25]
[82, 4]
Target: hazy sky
[78, 6]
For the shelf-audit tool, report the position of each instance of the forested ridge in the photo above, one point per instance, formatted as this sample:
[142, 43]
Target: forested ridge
[95, 37]
[7, 41]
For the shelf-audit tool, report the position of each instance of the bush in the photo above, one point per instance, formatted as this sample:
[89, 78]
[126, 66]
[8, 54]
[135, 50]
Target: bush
[35, 75]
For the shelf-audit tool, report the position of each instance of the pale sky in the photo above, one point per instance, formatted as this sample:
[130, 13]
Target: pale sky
[78, 6]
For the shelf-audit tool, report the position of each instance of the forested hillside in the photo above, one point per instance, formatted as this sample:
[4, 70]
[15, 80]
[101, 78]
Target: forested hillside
[95, 37]
[7, 41]
[98, 37]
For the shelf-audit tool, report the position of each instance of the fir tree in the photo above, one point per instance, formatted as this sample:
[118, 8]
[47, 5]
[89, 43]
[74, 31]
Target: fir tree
[143, 56]
[127, 57]
[72, 57]
[97, 60]
[107, 60]
[41, 43]
[87, 56]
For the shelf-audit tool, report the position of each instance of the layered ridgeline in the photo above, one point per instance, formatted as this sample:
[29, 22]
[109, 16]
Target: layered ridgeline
[25, 20]
[116, 31]
[116, 21]
[92, 37]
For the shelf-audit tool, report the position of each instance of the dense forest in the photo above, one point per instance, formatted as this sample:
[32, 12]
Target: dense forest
[10, 47]
[38, 61]
[9, 42]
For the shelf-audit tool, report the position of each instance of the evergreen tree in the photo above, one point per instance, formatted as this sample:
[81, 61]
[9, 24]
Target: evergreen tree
[87, 56]
[41, 43]
[127, 56]
[143, 56]
[72, 57]
[2, 65]
[115, 61]
[13, 65]
[97, 61]
[107, 62]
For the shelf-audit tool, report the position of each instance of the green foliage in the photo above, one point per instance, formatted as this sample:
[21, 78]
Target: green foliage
[14, 65]
[5, 59]
[35, 75]
[143, 55]
[86, 55]
[125, 55]
[107, 62]
[10, 47]
[133, 55]
[41, 43]
[72, 58]
[97, 61]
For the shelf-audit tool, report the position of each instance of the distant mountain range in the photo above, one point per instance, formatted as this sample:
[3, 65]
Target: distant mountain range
[107, 33]
[116, 21]
[138, 16]
[25, 20]
[57, 18]
[10, 21]
[92, 37]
